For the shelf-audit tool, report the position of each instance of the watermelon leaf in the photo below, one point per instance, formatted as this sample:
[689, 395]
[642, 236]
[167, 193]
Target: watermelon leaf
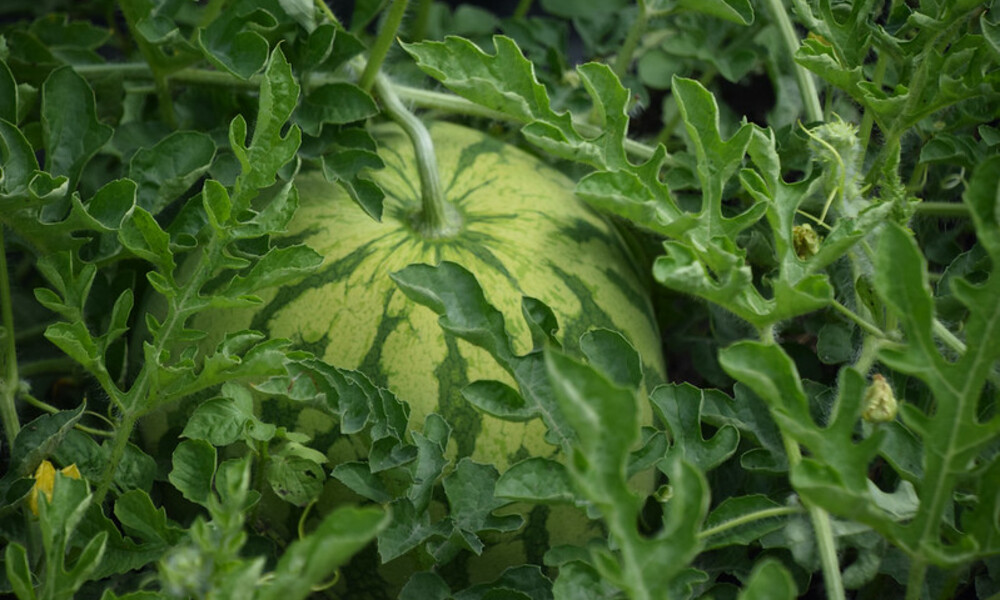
[194, 463]
[70, 127]
[535, 479]
[169, 168]
[270, 148]
[454, 293]
[605, 418]
[295, 473]
[470, 490]
[756, 515]
[680, 408]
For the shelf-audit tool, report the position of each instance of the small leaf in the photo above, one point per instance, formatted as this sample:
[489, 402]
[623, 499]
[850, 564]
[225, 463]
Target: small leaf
[611, 354]
[536, 480]
[498, 399]
[769, 580]
[295, 476]
[233, 43]
[272, 147]
[193, 468]
[70, 128]
[334, 103]
[219, 421]
[470, 492]
[18, 571]
[358, 477]
[680, 406]
[752, 510]
[135, 511]
[168, 169]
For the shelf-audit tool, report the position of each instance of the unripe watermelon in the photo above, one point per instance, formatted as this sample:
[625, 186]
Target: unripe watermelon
[523, 232]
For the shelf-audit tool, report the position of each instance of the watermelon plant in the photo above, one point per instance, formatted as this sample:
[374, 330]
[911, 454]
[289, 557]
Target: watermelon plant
[557, 300]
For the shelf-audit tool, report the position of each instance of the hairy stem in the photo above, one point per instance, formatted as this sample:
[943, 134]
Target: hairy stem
[119, 443]
[807, 87]
[857, 319]
[9, 378]
[386, 36]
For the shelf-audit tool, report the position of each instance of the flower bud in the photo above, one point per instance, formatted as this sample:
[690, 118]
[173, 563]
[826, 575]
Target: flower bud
[880, 403]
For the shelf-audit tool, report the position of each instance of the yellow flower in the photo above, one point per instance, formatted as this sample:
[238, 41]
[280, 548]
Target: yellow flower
[45, 480]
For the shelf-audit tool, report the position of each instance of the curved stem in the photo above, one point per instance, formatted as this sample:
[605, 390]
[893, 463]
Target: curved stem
[9, 378]
[417, 96]
[39, 404]
[386, 35]
[434, 219]
[760, 515]
[807, 87]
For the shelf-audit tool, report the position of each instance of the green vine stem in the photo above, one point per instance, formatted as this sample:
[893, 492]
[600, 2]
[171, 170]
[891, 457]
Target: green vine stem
[522, 9]
[10, 378]
[386, 36]
[419, 28]
[131, 11]
[807, 87]
[437, 218]
[823, 529]
[416, 96]
[624, 59]
[143, 395]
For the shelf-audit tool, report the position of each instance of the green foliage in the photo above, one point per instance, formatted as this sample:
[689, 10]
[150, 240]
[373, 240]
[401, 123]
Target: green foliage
[828, 306]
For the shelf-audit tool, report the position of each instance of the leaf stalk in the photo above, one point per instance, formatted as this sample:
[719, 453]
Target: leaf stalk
[807, 87]
[10, 382]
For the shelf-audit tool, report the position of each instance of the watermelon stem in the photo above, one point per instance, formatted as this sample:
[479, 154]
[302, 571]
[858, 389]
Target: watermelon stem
[437, 218]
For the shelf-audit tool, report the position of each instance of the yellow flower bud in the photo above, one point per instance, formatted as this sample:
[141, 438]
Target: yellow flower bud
[881, 405]
[45, 480]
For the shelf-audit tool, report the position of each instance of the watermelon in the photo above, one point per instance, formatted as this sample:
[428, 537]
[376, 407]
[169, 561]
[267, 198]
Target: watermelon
[522, 232]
